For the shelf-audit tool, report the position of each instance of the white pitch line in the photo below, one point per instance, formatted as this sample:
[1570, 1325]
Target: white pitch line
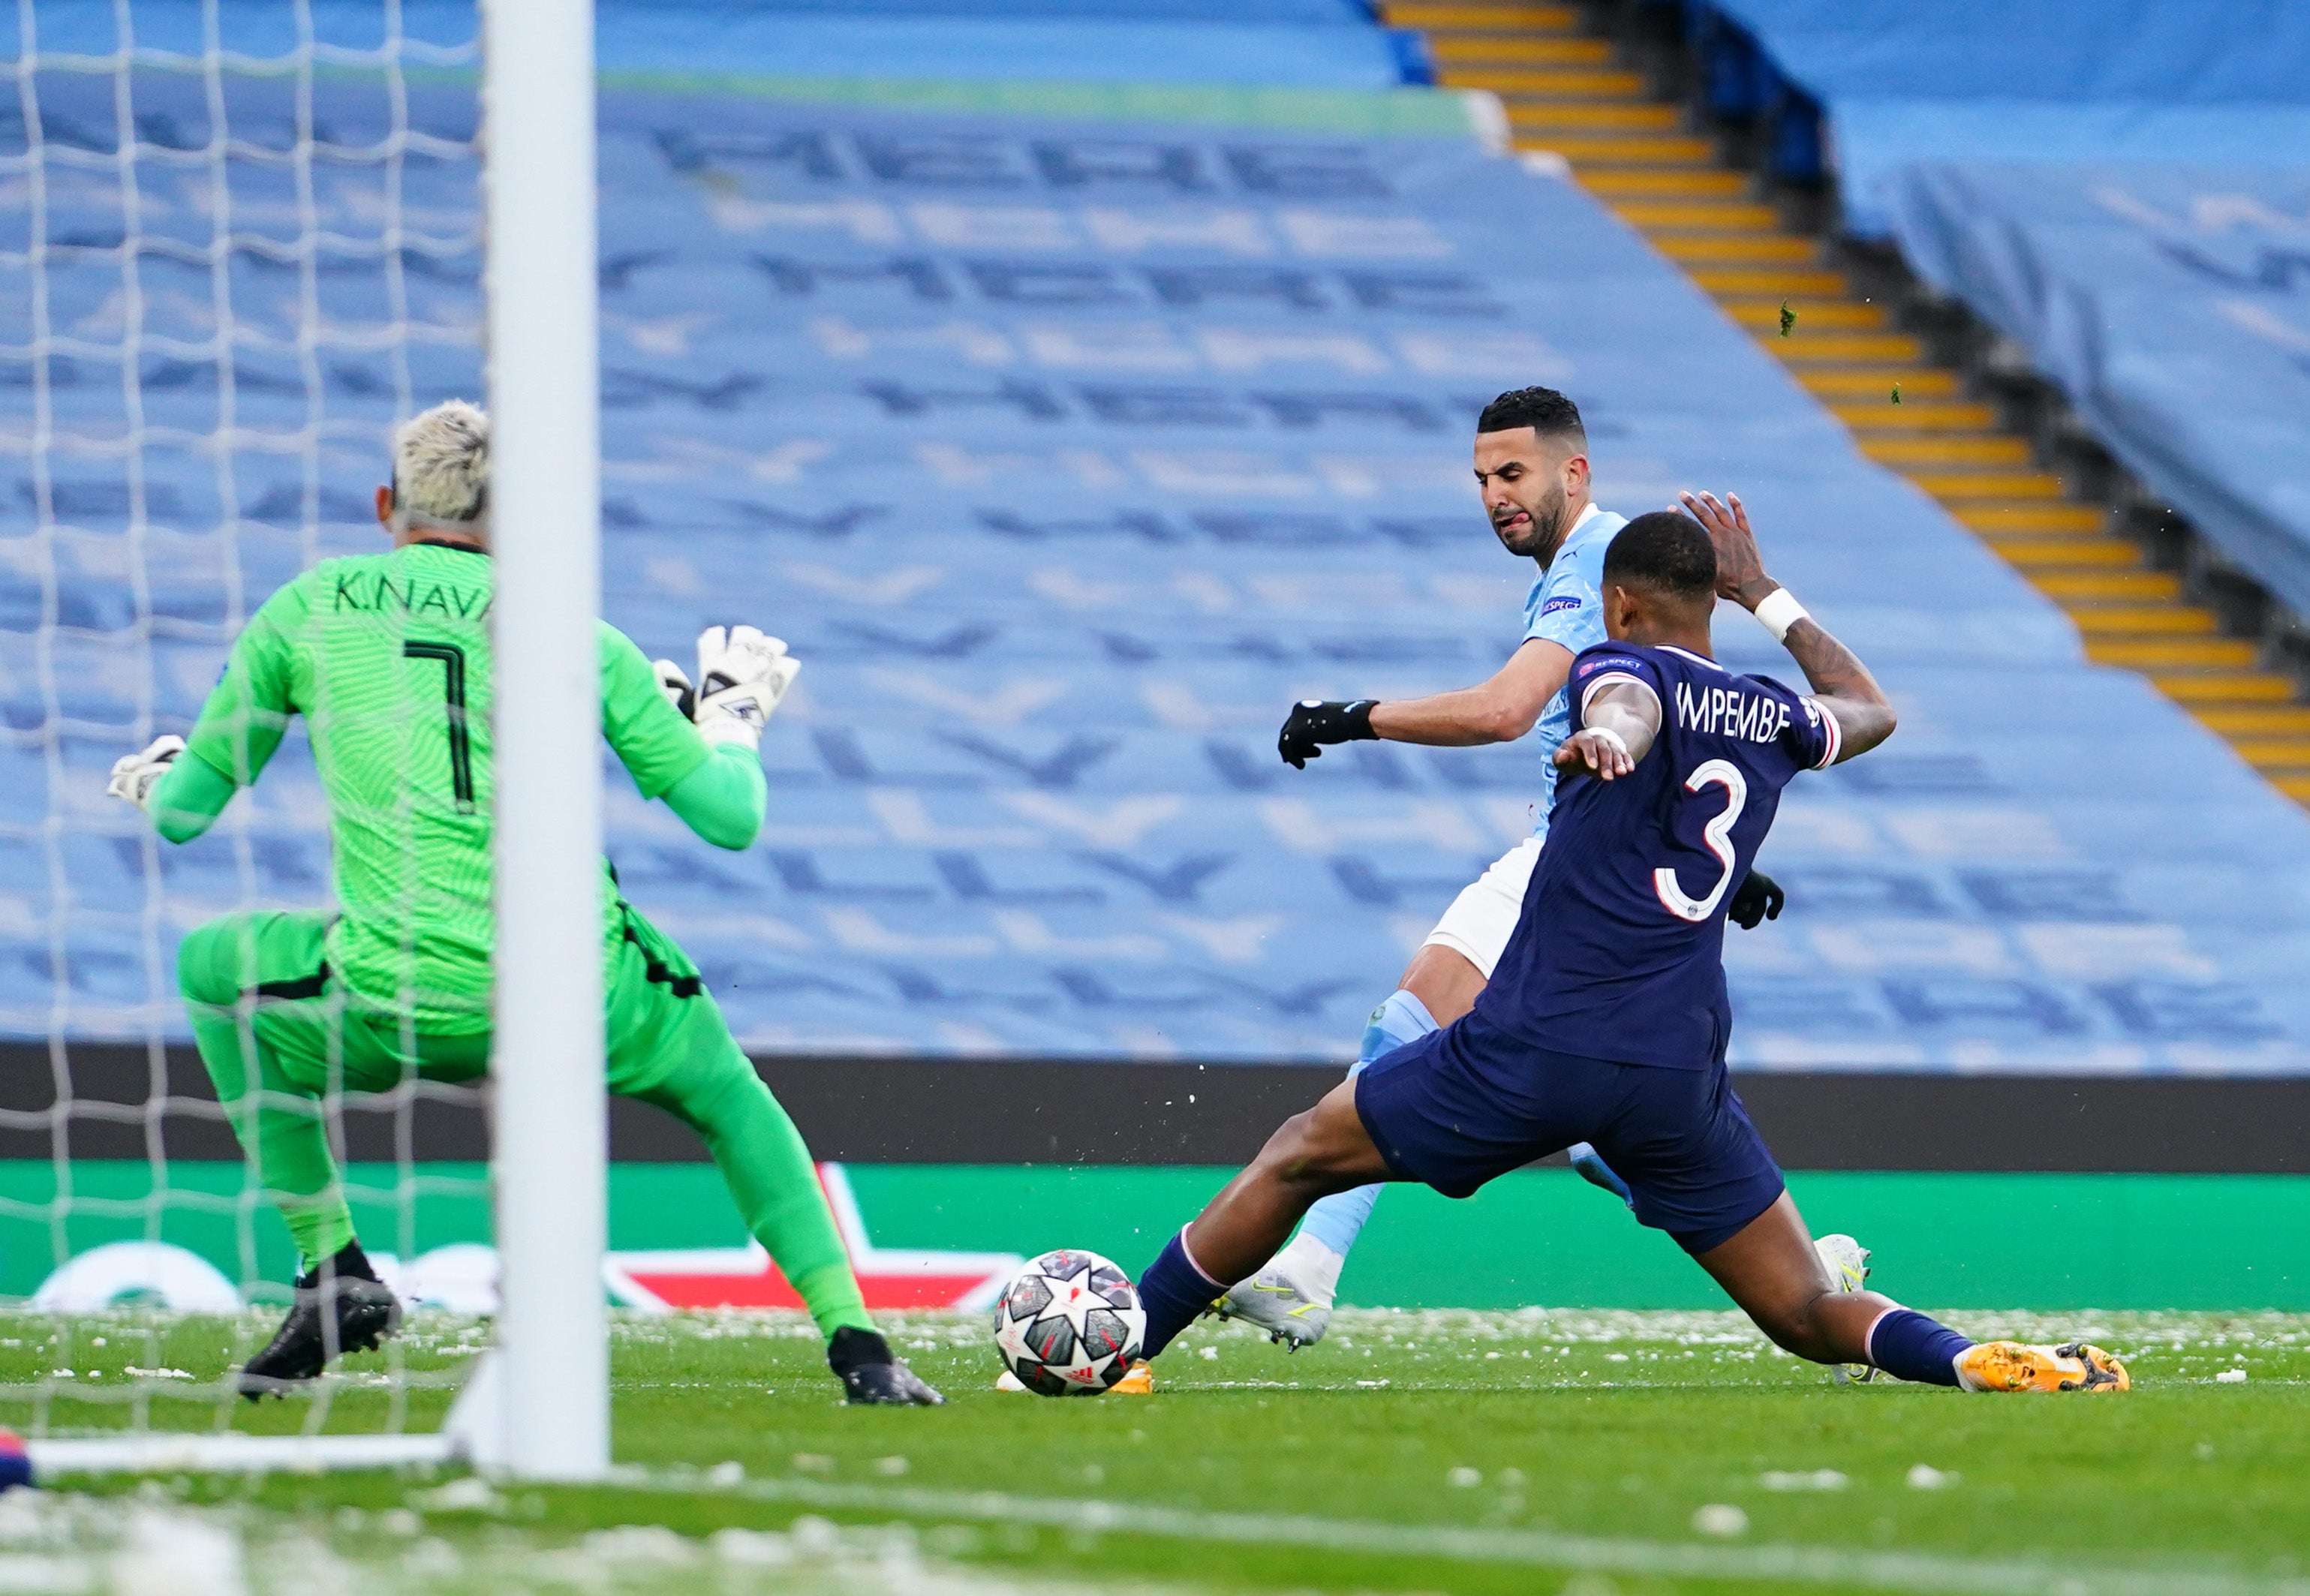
[1783, 1565]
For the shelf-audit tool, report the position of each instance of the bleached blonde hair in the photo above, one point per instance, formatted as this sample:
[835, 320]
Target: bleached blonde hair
[441, 465]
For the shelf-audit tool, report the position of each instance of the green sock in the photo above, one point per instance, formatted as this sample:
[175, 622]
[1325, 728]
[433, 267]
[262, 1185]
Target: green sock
[770, 1175]
[321, 1226]
[280, 1129]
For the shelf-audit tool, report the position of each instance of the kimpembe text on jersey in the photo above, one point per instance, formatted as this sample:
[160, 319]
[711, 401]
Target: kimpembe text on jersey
[1728, 712]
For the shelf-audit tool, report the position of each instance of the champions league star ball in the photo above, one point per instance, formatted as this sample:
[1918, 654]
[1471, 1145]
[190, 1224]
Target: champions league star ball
[1068, 1324]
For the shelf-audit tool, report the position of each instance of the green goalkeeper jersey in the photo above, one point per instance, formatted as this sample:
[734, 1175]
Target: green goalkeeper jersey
[388, 657]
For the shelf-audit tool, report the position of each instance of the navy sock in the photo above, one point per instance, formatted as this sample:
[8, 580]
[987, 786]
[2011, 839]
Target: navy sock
[1173, 1291]
[1908, 1345]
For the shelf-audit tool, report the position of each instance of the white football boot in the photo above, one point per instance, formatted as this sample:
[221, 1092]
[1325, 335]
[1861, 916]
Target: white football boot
[1138, 1383]
[1847, 1262]
[1291, 1299]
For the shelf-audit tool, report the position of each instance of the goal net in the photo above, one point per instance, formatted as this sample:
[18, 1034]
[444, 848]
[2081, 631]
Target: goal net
[238, 244]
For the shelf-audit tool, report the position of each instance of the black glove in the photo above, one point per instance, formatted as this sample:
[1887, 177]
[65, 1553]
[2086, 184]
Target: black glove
[1758, 900]
[1313, 723]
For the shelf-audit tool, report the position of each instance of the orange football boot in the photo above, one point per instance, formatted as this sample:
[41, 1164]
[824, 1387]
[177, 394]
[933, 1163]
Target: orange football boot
[2016, 1366]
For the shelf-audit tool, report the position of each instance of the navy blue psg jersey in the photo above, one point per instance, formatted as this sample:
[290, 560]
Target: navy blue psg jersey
[1618, 954]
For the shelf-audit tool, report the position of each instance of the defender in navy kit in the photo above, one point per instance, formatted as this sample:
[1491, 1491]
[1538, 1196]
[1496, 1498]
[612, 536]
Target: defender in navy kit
[1619, 957]
[1532, 470]
[1606, 1019]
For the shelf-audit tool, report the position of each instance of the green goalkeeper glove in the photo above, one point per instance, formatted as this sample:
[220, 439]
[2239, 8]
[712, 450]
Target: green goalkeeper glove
[741, 676]
[134, 776]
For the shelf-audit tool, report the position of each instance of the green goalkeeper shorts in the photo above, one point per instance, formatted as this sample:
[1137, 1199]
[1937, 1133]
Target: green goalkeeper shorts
[269, 968]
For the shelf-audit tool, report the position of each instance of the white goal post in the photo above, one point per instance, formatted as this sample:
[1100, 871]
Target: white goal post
[549, 1130]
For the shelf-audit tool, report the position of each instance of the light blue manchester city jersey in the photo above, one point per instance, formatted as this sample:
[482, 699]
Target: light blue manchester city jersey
[1567, 608]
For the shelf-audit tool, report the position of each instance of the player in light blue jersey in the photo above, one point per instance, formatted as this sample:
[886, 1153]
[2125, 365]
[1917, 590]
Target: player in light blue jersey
[1532, 469]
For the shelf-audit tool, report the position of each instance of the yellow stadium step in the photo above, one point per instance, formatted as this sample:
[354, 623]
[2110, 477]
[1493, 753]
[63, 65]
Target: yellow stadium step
[1736, 250]
[2167, 654]
[2032, 519]
[2074, 586]
[1917, 382]
[2296, 787]
[1813, 315]
[2275, 753]
[1929, 451]
[2032, 556]
[1844, 349]
[1679, 183]
[1989, 484]
[1722, 216]
[1490, 49]
[2226, 688]
[1540, 117]
[2257, 720]
[1915, 414]
[1536, 18]
[2143, 621]
[1741, 280]
[1570, 83]
[1585, 150]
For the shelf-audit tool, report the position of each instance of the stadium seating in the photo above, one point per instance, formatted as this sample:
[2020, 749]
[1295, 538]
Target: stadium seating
[1067, 453]
[1980, 80]
[2171, 304]
[1285, 43]
[1294, 43]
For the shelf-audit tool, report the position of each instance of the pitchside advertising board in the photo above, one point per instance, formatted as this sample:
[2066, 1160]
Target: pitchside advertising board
[925, 1237]
[456, 1269]
[1066, 456]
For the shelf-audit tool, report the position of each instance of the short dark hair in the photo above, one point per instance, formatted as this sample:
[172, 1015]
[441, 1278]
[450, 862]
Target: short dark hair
[1667, 550]
[1543, 410]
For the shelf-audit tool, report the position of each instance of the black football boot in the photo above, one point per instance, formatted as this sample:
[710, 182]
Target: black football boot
[341, 1306]
[871, 1374]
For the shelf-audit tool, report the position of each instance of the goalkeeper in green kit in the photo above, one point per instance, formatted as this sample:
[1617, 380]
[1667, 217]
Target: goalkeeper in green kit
[387, 657]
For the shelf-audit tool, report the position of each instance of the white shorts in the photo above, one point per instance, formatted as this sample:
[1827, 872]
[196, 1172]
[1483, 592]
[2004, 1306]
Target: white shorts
[1482, 919]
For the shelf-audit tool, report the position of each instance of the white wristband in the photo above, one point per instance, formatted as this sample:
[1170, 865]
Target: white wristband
[1778, 611]
[1619, 743]
[719, 727]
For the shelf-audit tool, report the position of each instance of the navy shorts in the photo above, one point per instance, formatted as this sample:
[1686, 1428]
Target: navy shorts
[1470, 1101]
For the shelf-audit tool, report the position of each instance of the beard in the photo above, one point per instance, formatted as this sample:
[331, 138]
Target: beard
[1541, 535]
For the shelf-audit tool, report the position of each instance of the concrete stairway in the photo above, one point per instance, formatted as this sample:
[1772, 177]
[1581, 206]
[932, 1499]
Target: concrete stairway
[1565, 92]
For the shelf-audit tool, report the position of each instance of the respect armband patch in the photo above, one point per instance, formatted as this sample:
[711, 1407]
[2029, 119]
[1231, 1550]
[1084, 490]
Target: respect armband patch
[1562, 601]
[1609, 661]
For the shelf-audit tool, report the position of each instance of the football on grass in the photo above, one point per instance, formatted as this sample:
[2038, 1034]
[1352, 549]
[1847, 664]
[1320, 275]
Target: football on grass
[1068, 1324]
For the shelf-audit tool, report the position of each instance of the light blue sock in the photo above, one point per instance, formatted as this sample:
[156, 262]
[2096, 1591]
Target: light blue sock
[1402, 1018]
[1338, 1219]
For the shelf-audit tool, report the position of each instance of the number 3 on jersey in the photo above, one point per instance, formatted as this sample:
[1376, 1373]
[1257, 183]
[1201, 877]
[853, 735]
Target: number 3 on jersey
[1718, 834]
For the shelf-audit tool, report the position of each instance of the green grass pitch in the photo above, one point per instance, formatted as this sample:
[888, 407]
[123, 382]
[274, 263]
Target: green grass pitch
[1585, 1453]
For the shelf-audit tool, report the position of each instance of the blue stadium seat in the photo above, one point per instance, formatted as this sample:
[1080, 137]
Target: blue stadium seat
[1313, 43]
[2155, 80]
[2169, 304]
